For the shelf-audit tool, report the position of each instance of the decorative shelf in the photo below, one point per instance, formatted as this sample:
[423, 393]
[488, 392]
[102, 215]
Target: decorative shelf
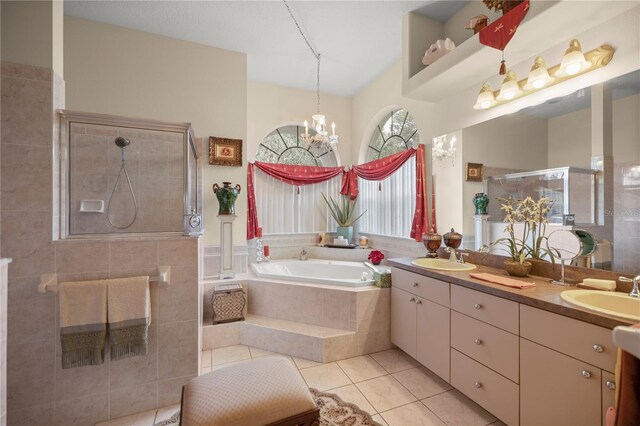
[470, 64]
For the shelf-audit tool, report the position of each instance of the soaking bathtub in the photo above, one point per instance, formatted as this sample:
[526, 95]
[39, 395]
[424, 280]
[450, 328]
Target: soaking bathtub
[318, 271]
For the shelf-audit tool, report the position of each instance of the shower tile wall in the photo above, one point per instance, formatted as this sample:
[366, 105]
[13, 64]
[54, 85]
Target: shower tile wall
[39, 391]
[154, 162]
[626, 218]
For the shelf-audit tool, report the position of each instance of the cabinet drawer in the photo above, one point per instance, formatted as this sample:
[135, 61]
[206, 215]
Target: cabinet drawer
[428, 288]
[608, 393]
[587, 342]
[403, 320]
[491, 309]
[488, 345]
[496, 394]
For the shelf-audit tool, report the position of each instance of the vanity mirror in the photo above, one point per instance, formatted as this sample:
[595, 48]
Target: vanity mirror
[581, 150]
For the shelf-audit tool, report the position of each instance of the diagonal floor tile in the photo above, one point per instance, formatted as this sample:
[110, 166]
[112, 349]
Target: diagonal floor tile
[394, 360]
[257, 352]
[229, 354]
[325, 376]
[415, 414]
[385, 393]
[458, 410]
[305, 363]
[378, 419]
[361, 368]
[351, 394]
[141, 419]
[421, 382]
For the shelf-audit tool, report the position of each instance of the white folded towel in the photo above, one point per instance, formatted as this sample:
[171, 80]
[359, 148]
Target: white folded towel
[83, 322]
[129, 316]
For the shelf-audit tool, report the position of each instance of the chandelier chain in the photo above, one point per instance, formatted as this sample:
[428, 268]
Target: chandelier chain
[313, 52]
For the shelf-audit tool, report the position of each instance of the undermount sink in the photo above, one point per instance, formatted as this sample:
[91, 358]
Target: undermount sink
[442, 264]
[619, 305]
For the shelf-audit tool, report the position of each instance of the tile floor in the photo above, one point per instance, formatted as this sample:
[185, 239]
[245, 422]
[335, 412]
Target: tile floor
[389, 385]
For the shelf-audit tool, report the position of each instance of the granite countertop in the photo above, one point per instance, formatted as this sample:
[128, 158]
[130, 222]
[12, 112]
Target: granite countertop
[544, 295]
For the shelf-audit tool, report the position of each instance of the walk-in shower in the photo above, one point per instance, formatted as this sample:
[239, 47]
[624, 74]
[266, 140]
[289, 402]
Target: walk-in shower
[120, 175]
[122, 143]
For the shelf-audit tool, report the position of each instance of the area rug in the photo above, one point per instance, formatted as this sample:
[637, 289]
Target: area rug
[333, 412]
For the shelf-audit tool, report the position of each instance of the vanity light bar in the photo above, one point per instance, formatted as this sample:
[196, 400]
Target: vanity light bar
[598, 57]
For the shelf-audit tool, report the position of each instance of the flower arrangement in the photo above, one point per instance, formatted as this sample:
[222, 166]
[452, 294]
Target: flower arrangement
[343, 212]
[534, 217]
[376, 257]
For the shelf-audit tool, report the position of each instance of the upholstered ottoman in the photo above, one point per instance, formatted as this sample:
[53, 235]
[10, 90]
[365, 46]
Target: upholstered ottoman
[263, 391]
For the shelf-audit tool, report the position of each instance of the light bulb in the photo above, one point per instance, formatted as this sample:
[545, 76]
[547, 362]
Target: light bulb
[510, 88]
[573, 61]
[538, 76]
[485, 98]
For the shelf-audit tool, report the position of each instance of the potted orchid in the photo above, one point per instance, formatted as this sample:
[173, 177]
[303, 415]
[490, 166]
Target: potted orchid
[527, 243]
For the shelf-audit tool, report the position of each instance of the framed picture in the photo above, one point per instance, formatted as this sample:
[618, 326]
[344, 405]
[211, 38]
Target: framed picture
[474, 172]
[225, 152]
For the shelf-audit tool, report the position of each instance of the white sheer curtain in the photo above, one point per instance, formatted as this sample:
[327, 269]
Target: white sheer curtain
[389, 211]
[281, 210]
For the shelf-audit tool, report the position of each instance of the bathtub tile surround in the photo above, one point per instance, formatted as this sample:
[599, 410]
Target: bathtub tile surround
[336, 322]
[39, 391]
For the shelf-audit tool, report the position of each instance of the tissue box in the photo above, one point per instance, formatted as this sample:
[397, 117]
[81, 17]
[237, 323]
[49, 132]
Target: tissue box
[382, 279]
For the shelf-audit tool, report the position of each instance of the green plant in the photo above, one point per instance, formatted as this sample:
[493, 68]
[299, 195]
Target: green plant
[534, 217]
[343, 212]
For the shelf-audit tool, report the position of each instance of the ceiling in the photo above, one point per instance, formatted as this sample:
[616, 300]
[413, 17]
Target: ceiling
[358, 39]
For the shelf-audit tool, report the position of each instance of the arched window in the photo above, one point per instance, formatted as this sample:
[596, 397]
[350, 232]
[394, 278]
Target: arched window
[396, 132]
[284, 146]
[390, 204]
[284, 208]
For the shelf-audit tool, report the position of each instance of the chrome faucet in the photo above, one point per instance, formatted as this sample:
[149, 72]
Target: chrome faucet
[635, 293]
[453, 257]
[303, 255]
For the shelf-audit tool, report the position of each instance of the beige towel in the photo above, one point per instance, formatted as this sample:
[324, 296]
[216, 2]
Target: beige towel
[83, 322]
[129, 316]
[502, 280]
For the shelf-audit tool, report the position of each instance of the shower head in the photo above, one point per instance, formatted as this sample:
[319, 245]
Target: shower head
[122, 142]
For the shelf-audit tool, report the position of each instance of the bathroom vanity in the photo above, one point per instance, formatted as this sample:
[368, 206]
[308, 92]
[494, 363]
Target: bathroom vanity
[525, 355]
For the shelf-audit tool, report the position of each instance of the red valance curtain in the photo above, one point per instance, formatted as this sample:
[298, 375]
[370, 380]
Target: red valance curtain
[374, 170]
[378, 169]
[292, 174]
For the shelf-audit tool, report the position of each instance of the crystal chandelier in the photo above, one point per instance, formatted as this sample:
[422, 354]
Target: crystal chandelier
[322, 138]
[440, 152]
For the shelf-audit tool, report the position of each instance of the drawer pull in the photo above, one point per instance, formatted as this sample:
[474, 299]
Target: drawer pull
[412, 299]
[477, 385]
[477, 306]
[418, 302]
[415, 284]
[586, 374]
[610, 384]
[598, 348]
[478, 341]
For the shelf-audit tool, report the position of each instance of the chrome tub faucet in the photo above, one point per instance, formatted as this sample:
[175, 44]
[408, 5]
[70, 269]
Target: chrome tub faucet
[635, 293]
[303, 255]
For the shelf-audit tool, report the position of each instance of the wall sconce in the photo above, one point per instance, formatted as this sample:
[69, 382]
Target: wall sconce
[538, 76]
[573, 60]
[573, 64]
[510, 88]
[486, 99]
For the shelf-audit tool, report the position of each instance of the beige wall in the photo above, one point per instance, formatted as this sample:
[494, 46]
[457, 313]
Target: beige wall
[570, 135]
[32, 33]
[270, 106]
[512, 142]
[118, 71]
